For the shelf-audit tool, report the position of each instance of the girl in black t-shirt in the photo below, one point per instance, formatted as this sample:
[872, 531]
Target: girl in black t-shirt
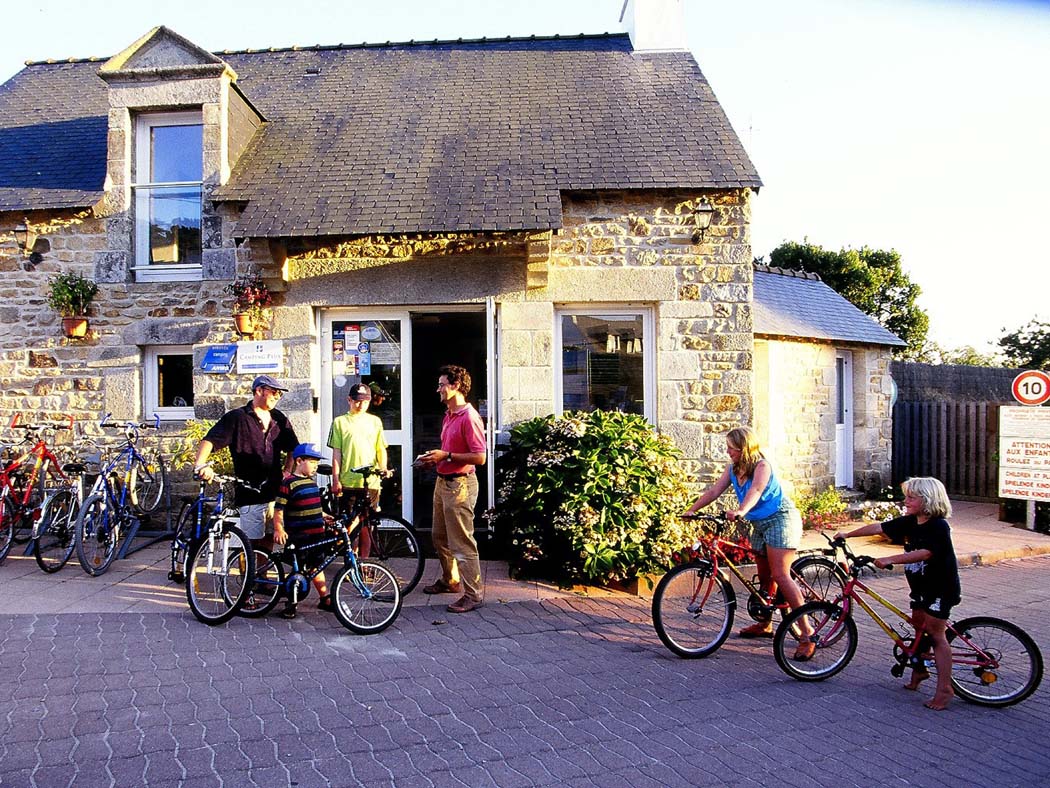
[931, 569]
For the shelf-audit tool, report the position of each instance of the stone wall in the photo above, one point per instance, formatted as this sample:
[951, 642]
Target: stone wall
[795, 412]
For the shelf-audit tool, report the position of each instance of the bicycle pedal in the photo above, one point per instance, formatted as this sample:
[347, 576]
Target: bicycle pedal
[897, 671]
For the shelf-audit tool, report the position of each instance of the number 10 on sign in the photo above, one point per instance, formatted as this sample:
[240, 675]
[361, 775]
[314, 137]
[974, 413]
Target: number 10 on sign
[1031, 387]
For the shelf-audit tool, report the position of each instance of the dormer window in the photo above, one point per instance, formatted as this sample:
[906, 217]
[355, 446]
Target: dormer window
[167, 187]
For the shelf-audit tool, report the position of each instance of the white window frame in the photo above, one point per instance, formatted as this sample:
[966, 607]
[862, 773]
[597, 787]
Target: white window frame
[649, 343]
[144, 271]
[151, 383]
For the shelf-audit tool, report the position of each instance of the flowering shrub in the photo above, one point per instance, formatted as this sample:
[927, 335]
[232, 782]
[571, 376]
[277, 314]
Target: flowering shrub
[591, 497]
[250, 294]
[823, 510]
[880, 511]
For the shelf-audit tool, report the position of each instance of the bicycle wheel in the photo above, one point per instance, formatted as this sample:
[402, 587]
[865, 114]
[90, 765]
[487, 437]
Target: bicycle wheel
[57, 526]
[97, 534]
[395, 546]
[265, 589]
[148, 480]
[1014, 672]
[834, 633]
[818, 578]
[217, 577]
[367, 599]
[7, 530]
[185, 533]
[693, 610]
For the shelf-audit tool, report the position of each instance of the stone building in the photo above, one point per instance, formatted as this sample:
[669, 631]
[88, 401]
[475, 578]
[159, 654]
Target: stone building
[567, 217]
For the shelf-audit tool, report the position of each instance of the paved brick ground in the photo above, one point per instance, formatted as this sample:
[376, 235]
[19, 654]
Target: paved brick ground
[567, 691]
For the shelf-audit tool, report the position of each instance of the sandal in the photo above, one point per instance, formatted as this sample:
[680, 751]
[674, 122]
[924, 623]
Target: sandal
[805, 651]
[326, 604]
[760, 629]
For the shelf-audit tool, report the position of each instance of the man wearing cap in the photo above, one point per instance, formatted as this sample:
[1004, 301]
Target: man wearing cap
[256, 434]
[456, 492]
[298, 518]
[356, 439]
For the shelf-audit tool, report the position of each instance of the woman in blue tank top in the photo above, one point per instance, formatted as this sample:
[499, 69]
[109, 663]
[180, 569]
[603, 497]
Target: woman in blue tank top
[776, 523]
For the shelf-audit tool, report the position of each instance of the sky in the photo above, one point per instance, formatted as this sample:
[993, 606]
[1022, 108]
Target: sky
[916, 125]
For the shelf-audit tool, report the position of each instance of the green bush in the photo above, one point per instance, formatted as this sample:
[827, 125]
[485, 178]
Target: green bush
[823, 510]
[186, 453]
[591, 497]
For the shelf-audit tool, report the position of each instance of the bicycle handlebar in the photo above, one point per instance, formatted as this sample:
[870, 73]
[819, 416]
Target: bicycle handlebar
[17, 418]
[131, 425]
[220, 478]
[856, 562]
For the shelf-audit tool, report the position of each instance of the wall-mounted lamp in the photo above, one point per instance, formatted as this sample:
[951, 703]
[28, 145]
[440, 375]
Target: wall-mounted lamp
[702, 215]
[33, 248]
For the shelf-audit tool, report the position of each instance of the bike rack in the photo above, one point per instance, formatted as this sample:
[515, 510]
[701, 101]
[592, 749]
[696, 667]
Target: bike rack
[151, 537]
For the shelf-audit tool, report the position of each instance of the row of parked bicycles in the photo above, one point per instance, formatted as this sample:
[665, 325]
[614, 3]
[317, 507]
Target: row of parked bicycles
[79, 496]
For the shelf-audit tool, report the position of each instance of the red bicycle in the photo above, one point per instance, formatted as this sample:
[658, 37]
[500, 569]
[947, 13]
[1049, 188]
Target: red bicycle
[24, 481]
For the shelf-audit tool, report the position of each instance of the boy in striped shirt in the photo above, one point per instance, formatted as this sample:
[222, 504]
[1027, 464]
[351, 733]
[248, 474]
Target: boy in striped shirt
[298, 518]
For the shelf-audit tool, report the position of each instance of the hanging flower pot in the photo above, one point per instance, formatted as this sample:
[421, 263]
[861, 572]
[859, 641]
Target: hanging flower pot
[245, 322]
[75, 327]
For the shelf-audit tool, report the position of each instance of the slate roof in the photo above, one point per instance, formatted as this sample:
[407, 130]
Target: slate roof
[798, 304]
[441, 136]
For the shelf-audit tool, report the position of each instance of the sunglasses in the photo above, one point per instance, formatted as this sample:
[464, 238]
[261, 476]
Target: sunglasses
[274, 392]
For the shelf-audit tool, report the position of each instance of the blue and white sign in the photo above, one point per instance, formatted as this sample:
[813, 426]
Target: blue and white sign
[254, 358]
[218, 359]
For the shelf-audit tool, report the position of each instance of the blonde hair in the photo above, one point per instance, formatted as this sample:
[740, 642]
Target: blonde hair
[934, 497]
[744, 440]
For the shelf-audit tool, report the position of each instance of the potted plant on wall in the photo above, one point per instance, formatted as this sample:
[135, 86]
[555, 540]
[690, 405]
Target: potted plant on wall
[70, 294]
[250, 297]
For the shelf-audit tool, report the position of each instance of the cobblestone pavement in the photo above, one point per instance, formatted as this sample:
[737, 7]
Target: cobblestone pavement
[564, 691]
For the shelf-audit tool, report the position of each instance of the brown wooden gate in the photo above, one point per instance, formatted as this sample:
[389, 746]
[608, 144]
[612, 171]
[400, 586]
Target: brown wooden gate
[957, 442]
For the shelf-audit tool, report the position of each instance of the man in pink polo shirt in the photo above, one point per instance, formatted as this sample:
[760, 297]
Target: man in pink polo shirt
[456, 492]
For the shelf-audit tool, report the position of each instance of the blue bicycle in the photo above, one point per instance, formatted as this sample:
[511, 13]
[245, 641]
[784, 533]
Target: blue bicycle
[130, 485]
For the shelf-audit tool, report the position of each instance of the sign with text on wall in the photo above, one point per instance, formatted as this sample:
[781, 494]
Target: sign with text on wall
[255, 358]
[1024, 453]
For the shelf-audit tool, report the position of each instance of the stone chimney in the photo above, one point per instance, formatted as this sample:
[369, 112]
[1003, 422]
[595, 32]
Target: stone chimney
[655, 25]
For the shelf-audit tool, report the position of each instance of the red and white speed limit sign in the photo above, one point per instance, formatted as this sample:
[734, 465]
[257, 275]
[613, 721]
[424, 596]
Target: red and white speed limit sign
[1031, 387]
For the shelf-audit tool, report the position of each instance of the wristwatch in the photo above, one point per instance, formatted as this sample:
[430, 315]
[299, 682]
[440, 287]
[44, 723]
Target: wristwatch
[449, 457]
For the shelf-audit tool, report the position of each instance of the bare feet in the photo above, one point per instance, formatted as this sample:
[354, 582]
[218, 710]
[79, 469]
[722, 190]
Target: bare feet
[940, 701]
[917, 677]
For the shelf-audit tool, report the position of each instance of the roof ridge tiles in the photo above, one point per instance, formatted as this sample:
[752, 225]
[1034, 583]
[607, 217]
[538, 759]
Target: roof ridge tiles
[362, 45]
[792, 272]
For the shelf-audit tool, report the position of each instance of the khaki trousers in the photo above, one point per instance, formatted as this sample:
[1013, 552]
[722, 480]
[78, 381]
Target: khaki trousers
[453, 534]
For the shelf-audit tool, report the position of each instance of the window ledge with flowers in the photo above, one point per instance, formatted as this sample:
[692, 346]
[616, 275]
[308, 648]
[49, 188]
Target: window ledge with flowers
[251, 303]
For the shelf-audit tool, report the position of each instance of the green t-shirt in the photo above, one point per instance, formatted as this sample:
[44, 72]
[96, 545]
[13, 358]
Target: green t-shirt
[360, 438]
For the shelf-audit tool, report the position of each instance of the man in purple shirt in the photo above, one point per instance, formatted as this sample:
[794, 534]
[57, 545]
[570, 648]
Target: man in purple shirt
[456, 492]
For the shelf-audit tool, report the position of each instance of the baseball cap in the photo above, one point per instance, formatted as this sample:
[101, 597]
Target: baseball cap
[376, 390]
[269, 382]
[308, 450]
[360, 391]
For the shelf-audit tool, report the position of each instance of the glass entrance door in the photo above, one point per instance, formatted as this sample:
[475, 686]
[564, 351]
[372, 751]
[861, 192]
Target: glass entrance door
[372, 348]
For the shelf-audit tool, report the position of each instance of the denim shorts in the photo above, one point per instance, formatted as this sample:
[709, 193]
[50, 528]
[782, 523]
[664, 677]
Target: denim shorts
[782, 530]
[256, 520]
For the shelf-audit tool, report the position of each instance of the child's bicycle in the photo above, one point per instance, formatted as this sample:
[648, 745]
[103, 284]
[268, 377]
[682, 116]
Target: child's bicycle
[694, 604]
[365, 594]
[994, 662]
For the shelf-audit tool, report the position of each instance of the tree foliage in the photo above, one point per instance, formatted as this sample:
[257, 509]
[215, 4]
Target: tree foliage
[1028, 346]
[966, 356]
[870, 279]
